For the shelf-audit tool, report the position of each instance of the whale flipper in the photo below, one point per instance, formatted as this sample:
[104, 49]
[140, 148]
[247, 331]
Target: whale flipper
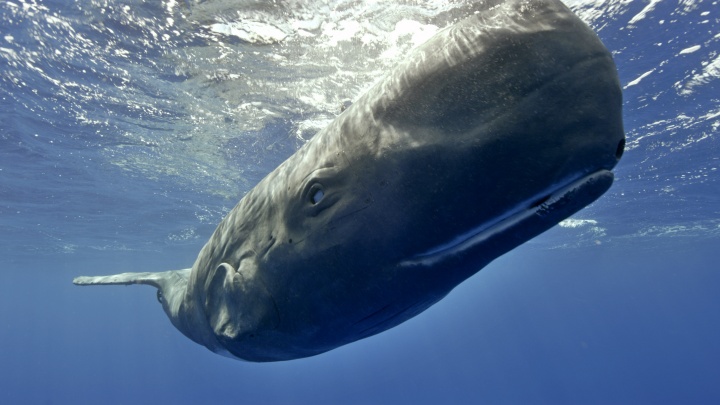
[156, 279]
[171, 286]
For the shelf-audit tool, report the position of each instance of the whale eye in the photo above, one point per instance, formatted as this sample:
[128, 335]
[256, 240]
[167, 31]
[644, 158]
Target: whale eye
[316, 194]
[160, 296]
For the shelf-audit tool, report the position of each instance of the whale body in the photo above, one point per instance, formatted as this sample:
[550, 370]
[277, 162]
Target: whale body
[492, 132]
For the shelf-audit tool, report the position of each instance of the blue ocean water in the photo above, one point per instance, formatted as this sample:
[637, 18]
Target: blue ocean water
[128, 130]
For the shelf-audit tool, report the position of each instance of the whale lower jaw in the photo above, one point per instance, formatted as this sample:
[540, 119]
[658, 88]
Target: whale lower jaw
[521, 224]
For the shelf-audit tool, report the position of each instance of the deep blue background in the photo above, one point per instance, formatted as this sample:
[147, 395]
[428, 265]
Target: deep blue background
[601, 325]
[620, 311]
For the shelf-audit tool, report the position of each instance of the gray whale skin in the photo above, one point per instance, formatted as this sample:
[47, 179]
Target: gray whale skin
[492, 132]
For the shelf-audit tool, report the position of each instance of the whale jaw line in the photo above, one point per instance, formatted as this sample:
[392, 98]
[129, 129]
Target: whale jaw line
[524, 223]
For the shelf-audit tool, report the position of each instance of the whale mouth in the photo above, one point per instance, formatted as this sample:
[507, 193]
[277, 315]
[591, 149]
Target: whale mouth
[523, 223]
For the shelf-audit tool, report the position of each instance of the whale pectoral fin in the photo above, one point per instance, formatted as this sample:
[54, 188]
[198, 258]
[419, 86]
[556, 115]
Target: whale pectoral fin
[155, 279]
[120, 279]
[237, 302]
[221, 302]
